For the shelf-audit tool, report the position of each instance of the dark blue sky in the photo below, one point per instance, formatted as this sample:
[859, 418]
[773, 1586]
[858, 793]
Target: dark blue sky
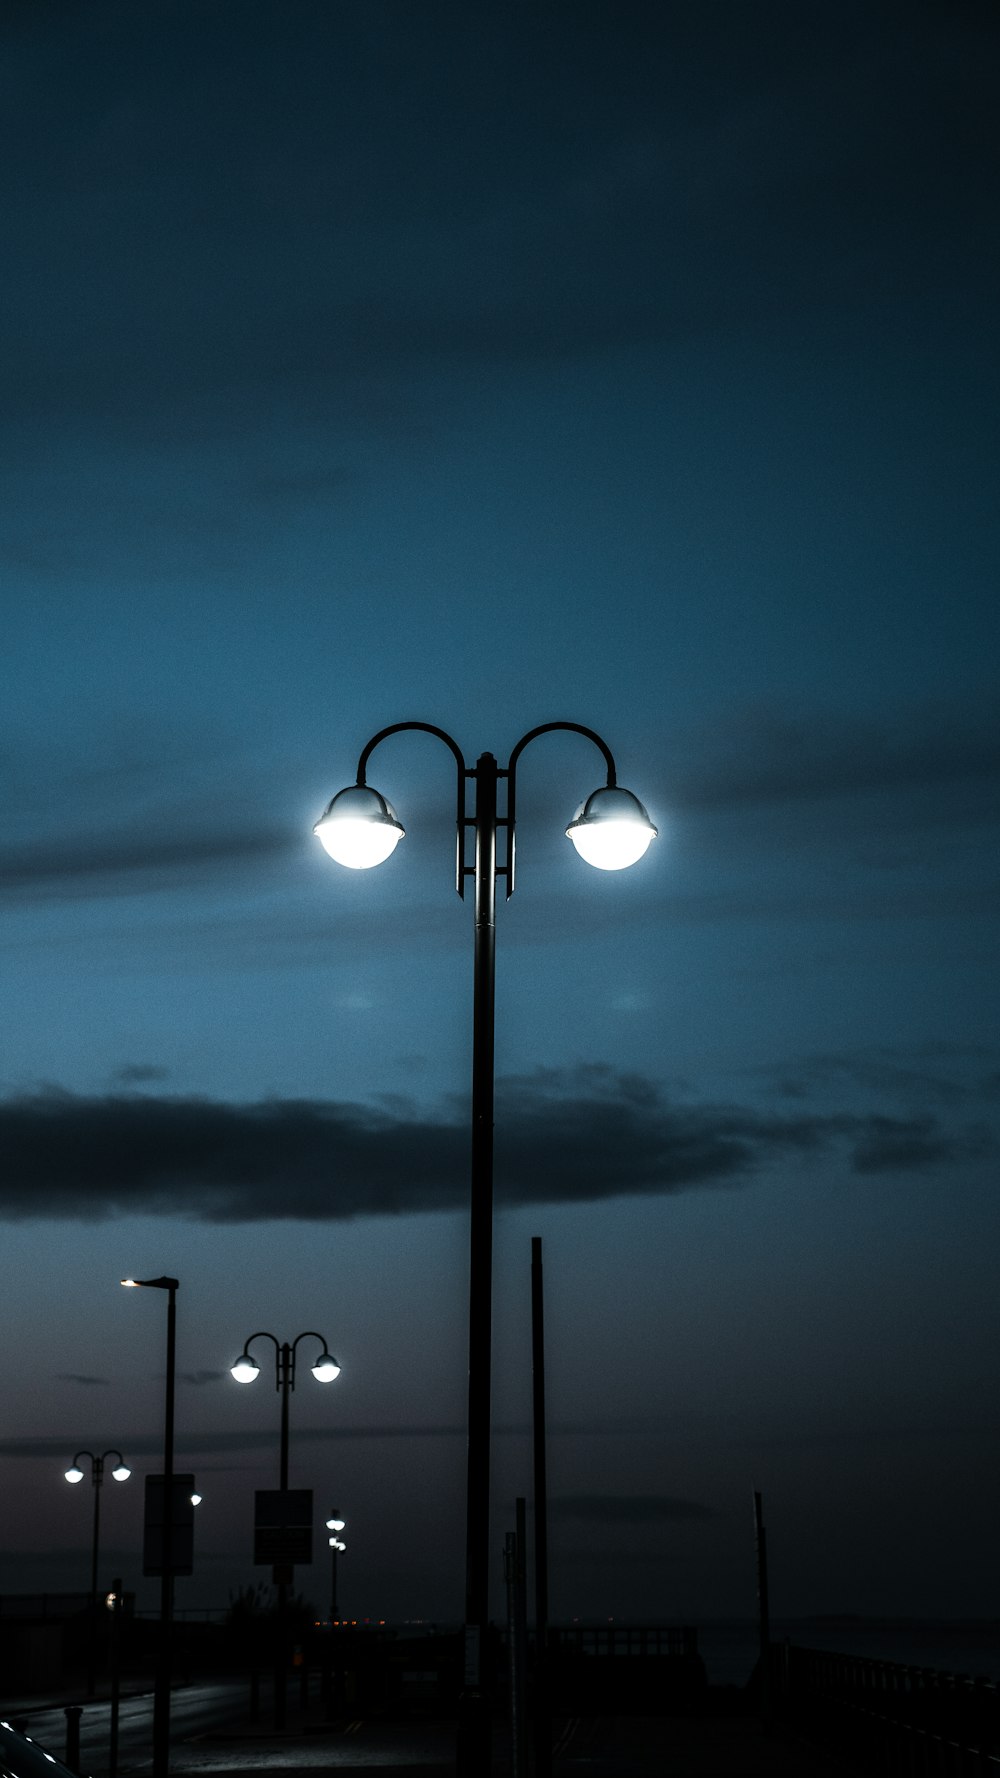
[632, 366]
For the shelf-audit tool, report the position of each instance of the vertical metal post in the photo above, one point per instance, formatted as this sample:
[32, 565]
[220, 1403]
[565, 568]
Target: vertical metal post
[763, 1612]
[520, 1674]
[475, 1704]
[73, 1713]
[161, 1691]
[96, 1477]
[542, 1729]
[116, 1620]
[285, 1362]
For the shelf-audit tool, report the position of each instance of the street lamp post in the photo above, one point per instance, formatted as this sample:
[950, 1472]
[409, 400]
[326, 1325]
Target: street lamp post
[161, 1686]
[246, 1370]
[359, 828]
[75, 1474]
[335, 1526]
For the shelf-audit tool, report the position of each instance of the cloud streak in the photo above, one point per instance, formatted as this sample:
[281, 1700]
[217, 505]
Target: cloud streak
[564, 1136]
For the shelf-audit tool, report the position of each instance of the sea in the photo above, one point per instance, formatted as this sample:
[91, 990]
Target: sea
[729, 1647]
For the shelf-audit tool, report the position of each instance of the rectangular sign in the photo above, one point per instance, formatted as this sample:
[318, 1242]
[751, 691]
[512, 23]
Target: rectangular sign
[282, 1529]
[181, 1529]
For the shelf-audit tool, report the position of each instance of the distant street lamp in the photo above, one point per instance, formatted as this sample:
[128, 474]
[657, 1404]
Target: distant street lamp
[247, 1370]
[336, 1526]
[360, 828]
[75, 1474]
[161, 1686]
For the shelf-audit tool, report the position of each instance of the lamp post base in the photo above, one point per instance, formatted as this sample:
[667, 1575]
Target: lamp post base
[474, 1741]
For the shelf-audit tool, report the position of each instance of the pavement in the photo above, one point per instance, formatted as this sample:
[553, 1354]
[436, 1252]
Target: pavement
[720, 1743]
[706, 1745]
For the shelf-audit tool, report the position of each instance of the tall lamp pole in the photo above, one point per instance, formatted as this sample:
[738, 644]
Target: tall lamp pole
[359, 828]
[161, 1686]
[75, 1474]
[246, 1370]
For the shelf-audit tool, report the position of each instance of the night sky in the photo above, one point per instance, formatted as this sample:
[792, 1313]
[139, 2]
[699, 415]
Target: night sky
[485, 366]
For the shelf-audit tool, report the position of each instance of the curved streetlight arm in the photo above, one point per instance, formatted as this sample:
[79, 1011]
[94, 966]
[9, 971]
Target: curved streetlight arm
[544, 728]
[428, 728]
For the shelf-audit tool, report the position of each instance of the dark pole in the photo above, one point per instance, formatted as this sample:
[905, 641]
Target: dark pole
[285, 1362]
[161, 1691]
[542, 1731]
[475, 1722]
[763, 1611]
[333, 1589]
[116, 1620]
[96, 1476]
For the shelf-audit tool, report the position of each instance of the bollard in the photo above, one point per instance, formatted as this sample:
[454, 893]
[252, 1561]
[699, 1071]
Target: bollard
[73, 1713]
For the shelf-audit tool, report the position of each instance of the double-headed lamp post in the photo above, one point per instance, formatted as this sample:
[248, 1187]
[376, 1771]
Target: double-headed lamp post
[75, 1474]
[247, 1370]
[360, 828]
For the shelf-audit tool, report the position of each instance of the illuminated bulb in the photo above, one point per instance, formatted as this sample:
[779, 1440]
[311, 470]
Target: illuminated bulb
[74, 1474]
[359, 828]
[325, 1368]
[611, 829]
[245, 1370]
[121, 1474]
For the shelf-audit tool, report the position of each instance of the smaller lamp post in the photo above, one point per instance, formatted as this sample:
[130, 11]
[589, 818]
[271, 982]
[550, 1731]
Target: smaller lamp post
[335, 1526]
[247, 1370]
[75, 1474]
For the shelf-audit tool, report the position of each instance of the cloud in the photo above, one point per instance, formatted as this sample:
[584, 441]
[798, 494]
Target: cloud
[773, 754]
[137, 1074]
[75, 1377]
[198, 1378]
[564, 1136]
[626, 1509]
[124, 863]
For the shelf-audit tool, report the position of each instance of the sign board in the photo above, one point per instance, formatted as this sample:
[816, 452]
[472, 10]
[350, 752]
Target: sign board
[282, 1527]
[180, 1530]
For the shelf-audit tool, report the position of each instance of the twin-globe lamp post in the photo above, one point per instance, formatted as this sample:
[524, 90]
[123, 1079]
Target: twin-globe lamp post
[75, 1474]
[247, 1370]
[360, 828]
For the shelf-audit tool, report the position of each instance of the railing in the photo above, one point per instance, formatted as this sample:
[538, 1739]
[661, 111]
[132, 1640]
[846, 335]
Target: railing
[910, 1722]
[642, 1640]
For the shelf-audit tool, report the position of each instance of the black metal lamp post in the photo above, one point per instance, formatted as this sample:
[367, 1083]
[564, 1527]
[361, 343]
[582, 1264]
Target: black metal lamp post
[161, 1688]
[360, 828]
[75, 1474]
[246, 1370]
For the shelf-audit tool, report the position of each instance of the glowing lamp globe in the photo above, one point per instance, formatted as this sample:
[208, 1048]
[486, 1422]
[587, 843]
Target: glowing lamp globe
[74, 1474]
[359, 828]
[122, 1473]
[325, 1368]
[245, 1369]
[611, 829]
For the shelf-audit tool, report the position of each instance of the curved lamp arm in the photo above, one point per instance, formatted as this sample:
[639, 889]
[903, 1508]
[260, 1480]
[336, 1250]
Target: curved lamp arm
[544, 728]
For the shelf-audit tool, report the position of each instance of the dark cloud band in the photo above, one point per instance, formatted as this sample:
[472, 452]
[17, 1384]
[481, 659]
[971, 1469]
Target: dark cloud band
[562, 1136]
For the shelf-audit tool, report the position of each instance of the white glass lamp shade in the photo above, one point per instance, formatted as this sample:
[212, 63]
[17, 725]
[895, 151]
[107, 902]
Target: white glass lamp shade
[122, 1473]
[359, 828]
[196, 1500]
[325, 1368]
[335, 1525]
[611, 829]
[245, 1370]
[75, 1474]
